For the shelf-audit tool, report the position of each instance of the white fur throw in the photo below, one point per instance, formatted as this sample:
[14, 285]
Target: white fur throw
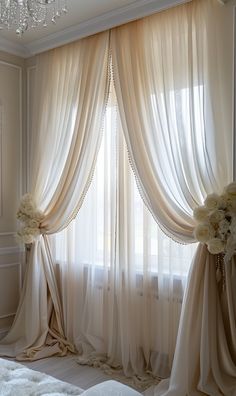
[18, 380]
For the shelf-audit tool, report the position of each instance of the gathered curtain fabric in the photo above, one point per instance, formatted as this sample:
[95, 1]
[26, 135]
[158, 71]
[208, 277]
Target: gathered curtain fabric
[70, 97]
[167, 75]
[121, 279]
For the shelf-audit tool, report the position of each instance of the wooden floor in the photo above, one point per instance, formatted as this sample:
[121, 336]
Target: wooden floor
[68, 370]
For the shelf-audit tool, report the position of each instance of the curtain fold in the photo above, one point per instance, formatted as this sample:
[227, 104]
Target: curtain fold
[172, 104]
[121, 278]
[171, 112]
[207, 327]
[71, 91]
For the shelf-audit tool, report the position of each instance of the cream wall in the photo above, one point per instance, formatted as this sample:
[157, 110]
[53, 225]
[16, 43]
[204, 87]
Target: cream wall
[12, 104]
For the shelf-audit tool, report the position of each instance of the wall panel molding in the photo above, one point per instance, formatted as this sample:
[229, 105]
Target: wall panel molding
[17, 289]
[3, 123]
[3, 332]
[11, 185]
[9, 250]
[30, 69]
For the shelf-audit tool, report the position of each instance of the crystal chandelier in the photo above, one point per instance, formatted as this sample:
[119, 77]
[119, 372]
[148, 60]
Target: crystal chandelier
[24, 14]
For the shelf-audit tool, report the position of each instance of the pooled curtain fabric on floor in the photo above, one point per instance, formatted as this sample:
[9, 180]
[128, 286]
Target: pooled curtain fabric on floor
[70, 96]
[167, 76]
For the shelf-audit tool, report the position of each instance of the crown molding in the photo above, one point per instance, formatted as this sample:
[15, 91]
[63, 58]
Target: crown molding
[103, 22]
[136, 10]
[13, 48]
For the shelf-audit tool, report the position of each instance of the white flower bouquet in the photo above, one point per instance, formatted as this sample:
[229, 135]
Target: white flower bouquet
[31, 219]
[217, 222]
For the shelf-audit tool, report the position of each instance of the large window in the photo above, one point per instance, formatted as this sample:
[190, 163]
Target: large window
[113, 214]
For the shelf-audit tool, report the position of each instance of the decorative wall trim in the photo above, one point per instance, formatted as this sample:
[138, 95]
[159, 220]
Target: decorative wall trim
[20, 178]
[3, 332]
[103, 22]
[10, 314]
[9, 250]
[98, 24]
[3, 234]
[13, 48]
[28, 100]
[7, 315]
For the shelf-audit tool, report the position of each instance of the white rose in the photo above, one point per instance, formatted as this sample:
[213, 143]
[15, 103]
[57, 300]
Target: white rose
[30, 231]
[215, 246]
[32, 223]
[38, 215]
[231, 189]
[233, 226]
[212, 201]
[200, 214]
[224, 226]
[21, 216]
[223, 202]
[27, 205]
[27, 198]
[232, 203]
[26, 239]
[27, 209]
[216, 216]
[204, 232]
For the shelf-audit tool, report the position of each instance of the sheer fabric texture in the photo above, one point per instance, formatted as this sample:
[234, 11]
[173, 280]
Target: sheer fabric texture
[165, 71]
[167, 75]
[70, 96]
[122, 279]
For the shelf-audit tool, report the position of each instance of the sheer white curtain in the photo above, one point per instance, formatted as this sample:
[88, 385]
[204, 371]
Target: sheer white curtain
[122, 279]
[166, 71]
[173, 109]
[70, 95]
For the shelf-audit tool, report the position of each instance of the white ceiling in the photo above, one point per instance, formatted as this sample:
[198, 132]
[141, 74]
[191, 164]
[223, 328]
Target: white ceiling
[84, 17]
[78, 11]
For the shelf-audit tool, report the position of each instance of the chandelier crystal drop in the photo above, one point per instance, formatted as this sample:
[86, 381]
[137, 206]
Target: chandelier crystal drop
[22, 15]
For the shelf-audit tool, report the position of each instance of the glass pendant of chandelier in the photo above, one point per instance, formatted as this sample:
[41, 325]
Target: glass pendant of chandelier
[22, 15]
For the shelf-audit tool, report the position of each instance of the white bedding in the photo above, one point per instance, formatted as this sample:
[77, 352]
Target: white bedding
[18, 380]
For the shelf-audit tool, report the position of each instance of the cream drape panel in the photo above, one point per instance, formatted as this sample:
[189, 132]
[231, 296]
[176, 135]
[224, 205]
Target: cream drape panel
[167, 76]
[71, 90]
[205, 356]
